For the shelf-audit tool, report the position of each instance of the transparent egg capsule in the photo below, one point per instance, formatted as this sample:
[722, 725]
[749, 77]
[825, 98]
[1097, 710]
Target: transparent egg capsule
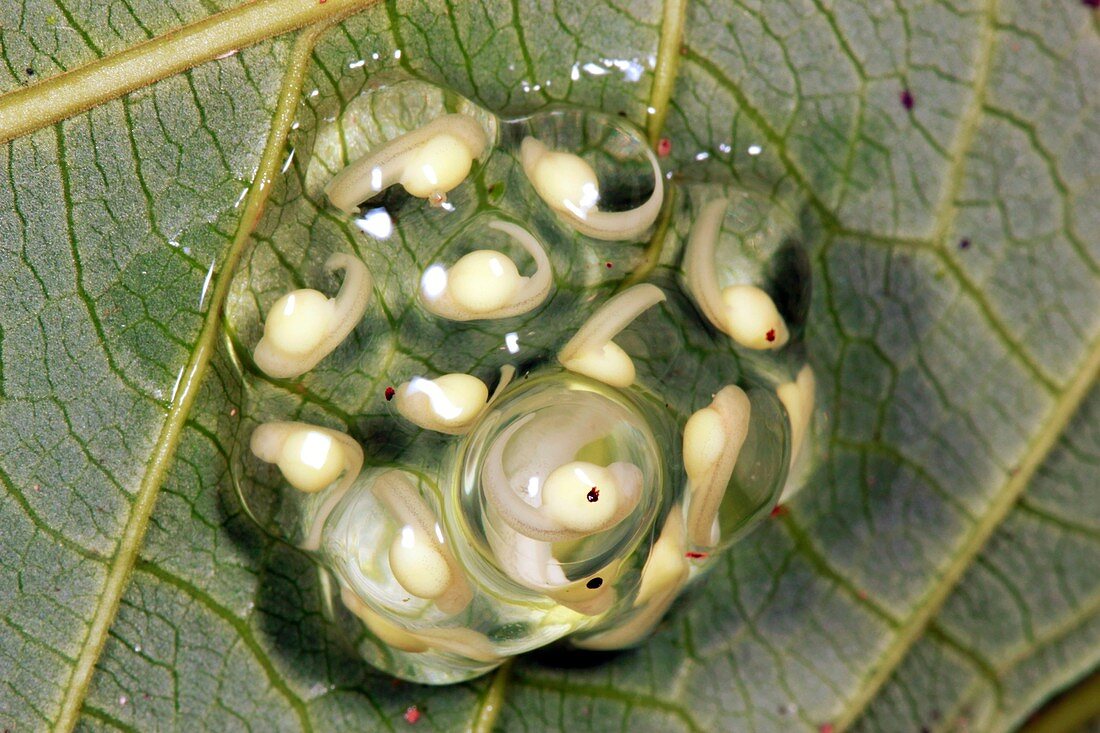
[569, 383]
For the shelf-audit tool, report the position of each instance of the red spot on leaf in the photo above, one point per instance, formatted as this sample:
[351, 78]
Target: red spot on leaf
[825, 728]
[779, 510]
[412, 714]
[770, 335]
[1091, 3]
[664, 147]
[695, 555]
[906, 98]
[390, 392]
[608, 265]
[965, 243]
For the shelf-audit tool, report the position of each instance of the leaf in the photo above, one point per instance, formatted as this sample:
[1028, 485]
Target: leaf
[947, 372]
[1024, 618]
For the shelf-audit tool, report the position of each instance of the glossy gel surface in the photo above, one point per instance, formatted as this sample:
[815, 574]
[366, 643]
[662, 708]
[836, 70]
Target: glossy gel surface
[490, 570]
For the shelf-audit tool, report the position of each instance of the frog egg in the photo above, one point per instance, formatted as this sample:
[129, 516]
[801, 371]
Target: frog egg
[664, 575]
[582, 496]
[561, 481]
[437, 166]
[484, 280]
[566, 513]
[591, 351]
[303, 326]
[446, 404]
[428, 162]
[297, 322]
[798, 400]
[419, 557]
[752, 319]
[744, 312]
[311, 459]
[419, 567]
[569, 186]
[566, 182]
[486, 284]
[713, 438]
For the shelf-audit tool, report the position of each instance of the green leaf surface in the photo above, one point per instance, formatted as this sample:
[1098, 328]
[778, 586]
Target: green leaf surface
[938, 572]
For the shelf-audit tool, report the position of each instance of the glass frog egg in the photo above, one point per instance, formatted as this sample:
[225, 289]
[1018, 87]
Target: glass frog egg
[554, 385]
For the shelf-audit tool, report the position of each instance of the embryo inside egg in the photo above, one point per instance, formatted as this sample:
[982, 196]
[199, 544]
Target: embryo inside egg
[569, 381]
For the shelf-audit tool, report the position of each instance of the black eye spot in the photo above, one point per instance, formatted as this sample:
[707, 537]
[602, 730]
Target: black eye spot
[594, 583]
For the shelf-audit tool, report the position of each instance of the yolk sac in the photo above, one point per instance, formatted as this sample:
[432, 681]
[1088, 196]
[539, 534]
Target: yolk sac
[565, 513]
[798, 399]
[566, 496]
[744, 312]
[569, 186]
[486, 284]
[310, 458]
[447, 404]
[713, 438]
[591, 351]
[663, 576]
[303, 326]
[428, 162]
[419, 558]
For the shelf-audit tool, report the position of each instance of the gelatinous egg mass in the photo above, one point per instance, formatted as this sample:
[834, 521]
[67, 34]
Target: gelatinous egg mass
[506, 381]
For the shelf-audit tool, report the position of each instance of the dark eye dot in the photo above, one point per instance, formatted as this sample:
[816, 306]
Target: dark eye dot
[594, 583]
[593, 495]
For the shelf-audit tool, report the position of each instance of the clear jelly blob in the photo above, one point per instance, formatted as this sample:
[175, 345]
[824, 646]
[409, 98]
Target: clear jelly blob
[575, 382]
